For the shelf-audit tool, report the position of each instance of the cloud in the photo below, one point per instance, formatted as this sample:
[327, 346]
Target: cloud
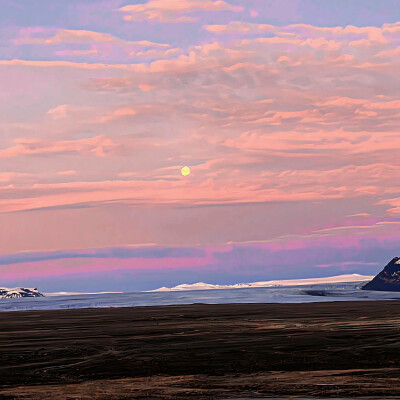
[70, 36]
[354, 36]
[174, 10]
[156, 53]
[346, 264]
[90, 52]
[62, 111]
[253, 13]
[64, 64]
[166, 187]
[224, 264]
[118, 114]
[392, 28]
[294, 115]
[239, 27]
[68, 172]
[394, 204]
[297, 125]
[98, 146]
[151, 252]
[13, 177]
[359, 215]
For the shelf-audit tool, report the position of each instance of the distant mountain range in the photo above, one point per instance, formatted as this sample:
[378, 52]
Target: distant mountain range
[289, 282]
[388, 279]
[6, 293]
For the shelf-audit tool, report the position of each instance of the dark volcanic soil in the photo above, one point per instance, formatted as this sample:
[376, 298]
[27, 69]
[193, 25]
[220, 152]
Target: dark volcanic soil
[202, 351]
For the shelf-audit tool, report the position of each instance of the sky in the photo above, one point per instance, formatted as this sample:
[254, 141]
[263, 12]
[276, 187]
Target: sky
[287, 113]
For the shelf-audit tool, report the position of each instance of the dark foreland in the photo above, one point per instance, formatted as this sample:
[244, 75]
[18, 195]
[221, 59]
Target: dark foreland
[333, 349]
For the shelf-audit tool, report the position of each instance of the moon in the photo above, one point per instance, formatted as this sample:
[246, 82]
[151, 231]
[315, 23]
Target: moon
[185, 171]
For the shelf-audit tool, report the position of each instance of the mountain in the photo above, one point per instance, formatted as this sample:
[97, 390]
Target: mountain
[6, 293]
[388, 279]
[289, 282]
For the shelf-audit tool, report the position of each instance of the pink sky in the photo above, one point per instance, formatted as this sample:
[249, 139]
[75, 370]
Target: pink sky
[288, 120]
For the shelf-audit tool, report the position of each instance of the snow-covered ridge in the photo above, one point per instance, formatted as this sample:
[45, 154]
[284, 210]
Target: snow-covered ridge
[288, 282]
[6, 293]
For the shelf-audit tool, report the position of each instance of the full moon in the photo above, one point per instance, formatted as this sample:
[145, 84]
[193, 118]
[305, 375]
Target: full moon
[185, 171]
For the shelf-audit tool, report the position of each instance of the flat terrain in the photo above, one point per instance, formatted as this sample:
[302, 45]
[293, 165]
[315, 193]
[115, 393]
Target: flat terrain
[339, 349]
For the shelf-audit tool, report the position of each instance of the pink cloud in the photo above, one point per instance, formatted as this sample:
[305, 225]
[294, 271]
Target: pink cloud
[13, 177]
[145, 88]
[253, 13]
[68, 172]
[63, 36]
[61, 111]
[98, 145]
[58, 268]
[239, 27]
[390, 53]
[360, 215]
[302, 254]
[374, 34]
[156, 53]
[174, 10]
[345, 264]
[63, 64]
[90, 52]
[394, 204]
[266, 119]
[118, 113]
[391, 28]
[283, 186]
[354, 35]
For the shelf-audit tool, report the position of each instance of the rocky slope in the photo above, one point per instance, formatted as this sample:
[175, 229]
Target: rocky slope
[388, 279]
[6, 293]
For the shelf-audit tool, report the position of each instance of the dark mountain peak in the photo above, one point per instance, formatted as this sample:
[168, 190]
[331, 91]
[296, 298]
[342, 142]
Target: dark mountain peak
[388, 279]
